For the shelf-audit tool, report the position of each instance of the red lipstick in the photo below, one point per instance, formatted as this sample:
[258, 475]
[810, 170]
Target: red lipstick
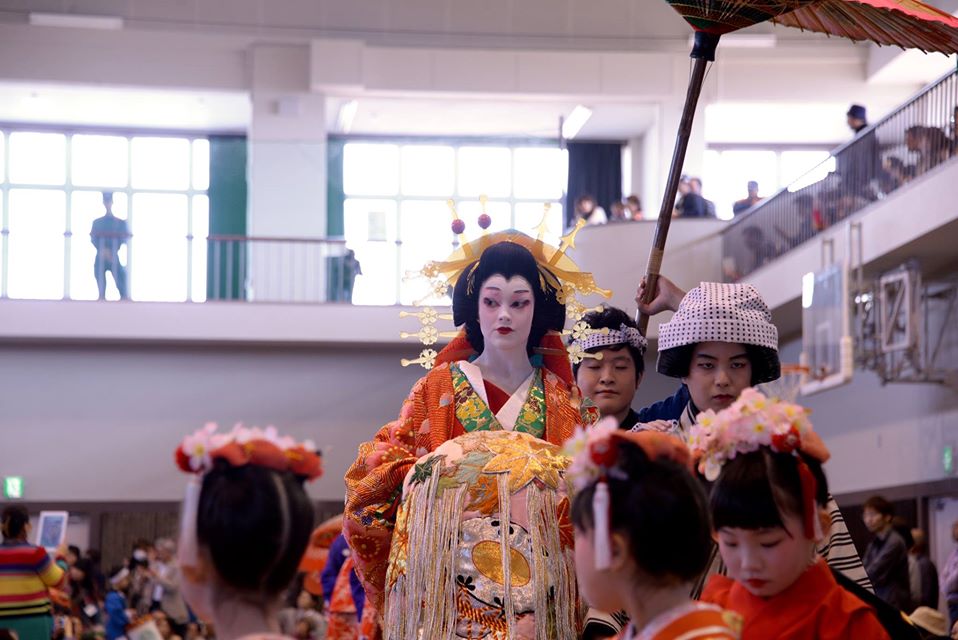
[504, 330]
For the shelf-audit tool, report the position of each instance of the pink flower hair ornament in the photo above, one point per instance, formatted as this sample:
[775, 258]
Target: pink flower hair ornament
[755, 421]
[241, 446]
[595, 454]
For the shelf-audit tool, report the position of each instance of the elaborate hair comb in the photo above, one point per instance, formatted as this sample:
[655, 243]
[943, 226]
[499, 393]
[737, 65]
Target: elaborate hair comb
[595, 457]
[755, 421]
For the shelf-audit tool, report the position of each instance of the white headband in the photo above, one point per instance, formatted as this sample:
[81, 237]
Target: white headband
[624, 335]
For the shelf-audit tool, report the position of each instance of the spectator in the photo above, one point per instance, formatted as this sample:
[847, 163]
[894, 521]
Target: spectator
[926, 594]
[930, 144]
[115, 605]
[690, 204]
[886, 559]
[587, 209]
[84, 596]
[108, 234]
[635, 207]
[857, 118]
[859, 162]
[166, 585]
[343, 593]
[743, 205]
[165, 626]
[618, 212]
[72, 555]
[93, 555]
[302, 617]
[696, 184]
[809, 221]
[26, 573]
[762, 249]
[949, 579]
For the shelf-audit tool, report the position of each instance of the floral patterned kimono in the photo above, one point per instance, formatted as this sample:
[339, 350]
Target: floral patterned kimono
[694, 621]
[451, 400]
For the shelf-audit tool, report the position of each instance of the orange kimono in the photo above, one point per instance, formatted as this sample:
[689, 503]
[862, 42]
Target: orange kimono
[694, 621]
[815, 607]
[447, 402]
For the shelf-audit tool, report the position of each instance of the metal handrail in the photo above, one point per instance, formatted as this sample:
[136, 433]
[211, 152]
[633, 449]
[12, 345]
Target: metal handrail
[867, 169]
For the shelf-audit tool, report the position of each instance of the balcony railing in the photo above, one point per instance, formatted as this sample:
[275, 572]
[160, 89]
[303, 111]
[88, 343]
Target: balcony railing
[186, 269]
[914, 139]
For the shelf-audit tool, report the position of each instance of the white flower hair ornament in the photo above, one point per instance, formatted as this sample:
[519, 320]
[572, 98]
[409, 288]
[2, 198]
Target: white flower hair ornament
[595, 457]
[241, 446]
[755, 421]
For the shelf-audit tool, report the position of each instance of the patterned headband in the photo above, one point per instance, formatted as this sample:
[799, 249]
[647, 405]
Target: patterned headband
[624, 335]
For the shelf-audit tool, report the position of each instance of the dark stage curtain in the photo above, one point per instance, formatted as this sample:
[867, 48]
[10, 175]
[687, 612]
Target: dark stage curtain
[595, 168]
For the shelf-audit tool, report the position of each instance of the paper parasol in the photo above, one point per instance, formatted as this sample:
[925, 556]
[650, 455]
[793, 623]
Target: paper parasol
[909, 24]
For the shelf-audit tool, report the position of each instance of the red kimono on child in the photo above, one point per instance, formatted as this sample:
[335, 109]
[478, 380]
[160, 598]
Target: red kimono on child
[813, 608]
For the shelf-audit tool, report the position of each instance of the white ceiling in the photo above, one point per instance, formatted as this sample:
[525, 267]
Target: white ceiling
[123, 107]
[443, 116]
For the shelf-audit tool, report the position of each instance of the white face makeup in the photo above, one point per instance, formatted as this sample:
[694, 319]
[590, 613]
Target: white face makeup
[505, 313]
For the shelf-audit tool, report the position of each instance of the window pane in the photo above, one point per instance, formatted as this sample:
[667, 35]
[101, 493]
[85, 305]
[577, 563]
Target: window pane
[485, 171]
[201, 165]
[734, 171]
[99, 161]
[425, 231]
[427, 171]
[161, 163]
[37, 225]
[806, 165]
[85, 207]
[540, 173]
[370, 169]
[529, 215]
[201, 231]
[470, 210]
[38, 158]
[370, 231]
[158, 252]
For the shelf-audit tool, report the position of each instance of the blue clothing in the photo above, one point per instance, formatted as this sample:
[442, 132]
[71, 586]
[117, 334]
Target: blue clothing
[338, 552]
[669, 409]
[116, 618]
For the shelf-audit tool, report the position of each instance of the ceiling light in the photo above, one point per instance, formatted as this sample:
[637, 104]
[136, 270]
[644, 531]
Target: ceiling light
[347, 113]
[110, 23]
[572, 125]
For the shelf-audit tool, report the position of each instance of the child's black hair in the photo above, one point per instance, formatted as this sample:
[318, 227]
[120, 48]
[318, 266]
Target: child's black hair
[756, 488]
[255, 523]
[507, 259]
[662, 510]
[613, 318]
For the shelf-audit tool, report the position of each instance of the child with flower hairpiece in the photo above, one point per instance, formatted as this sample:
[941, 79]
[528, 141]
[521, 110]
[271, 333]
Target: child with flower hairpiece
[642, 533]
[767, 505]
[245, 525]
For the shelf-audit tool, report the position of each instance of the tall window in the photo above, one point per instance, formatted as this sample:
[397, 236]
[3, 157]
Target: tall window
[727, 172]
[51, 186]
[396, 212]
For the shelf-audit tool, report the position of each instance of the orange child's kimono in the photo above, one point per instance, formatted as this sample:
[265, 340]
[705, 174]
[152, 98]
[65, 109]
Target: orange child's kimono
[449, 401]
[815, 607]
[695, 621]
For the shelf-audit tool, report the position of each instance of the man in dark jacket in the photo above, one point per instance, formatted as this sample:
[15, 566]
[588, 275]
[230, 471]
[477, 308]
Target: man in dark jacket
[886, 559]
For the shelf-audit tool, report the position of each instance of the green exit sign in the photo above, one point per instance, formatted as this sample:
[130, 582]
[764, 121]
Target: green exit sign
[13, 487]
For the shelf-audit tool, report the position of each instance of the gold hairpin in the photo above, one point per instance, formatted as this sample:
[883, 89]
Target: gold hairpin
[428, 315]
[428, 335]
[577, 354]
[427, 358]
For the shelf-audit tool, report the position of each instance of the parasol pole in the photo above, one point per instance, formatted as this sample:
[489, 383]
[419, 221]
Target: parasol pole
[703, 52]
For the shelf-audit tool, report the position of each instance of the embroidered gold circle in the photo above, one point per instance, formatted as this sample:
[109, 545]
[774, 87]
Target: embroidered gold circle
[488, 561]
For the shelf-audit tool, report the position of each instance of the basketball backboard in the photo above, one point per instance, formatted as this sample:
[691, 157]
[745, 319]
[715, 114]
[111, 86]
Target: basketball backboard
[826, 329]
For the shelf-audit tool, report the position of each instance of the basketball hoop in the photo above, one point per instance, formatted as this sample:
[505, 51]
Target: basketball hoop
[789, 385]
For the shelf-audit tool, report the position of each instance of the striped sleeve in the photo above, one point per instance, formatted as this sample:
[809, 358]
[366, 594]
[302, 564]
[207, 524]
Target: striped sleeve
[839, 550]
[49, 571]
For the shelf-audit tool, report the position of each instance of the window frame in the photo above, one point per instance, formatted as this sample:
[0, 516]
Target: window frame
[68, 189]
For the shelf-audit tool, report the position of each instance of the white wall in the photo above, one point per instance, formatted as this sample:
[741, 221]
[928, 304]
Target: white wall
[100, 423]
